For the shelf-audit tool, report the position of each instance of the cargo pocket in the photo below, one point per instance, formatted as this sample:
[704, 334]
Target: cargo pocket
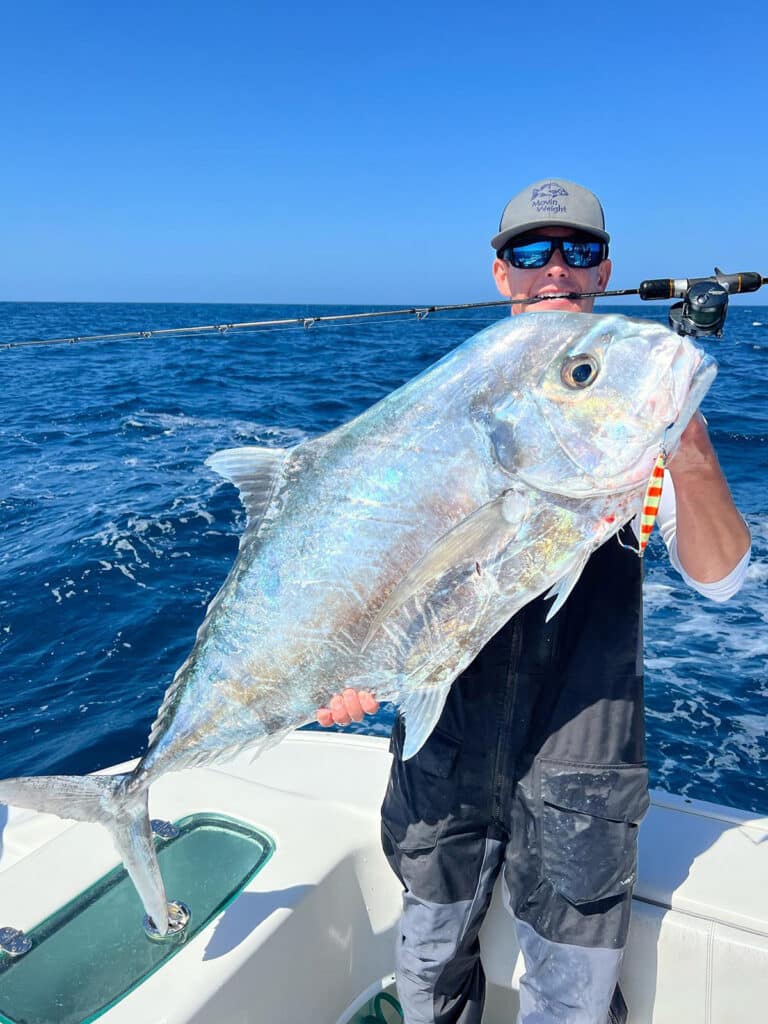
[421, 792]
[590, 817]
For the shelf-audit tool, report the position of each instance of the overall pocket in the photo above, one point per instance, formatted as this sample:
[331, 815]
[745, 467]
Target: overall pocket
[589, 821]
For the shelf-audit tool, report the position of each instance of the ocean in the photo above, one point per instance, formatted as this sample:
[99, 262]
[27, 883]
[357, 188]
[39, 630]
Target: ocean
[115, 536]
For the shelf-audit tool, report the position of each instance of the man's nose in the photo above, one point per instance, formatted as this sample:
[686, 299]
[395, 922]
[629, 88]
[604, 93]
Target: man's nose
[557, 266]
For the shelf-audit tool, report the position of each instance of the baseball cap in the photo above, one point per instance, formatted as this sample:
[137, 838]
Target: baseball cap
[552, 201]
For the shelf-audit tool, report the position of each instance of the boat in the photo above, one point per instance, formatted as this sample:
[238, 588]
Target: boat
[294, 910]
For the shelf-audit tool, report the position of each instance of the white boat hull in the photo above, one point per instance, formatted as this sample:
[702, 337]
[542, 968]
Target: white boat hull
[312, 935]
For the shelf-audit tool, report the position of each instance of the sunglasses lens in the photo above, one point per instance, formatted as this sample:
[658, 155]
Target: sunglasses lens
[529, 257]
[582, 254]
[578, 253]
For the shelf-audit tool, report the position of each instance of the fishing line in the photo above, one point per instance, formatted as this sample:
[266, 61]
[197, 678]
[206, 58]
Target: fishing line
[702, 311]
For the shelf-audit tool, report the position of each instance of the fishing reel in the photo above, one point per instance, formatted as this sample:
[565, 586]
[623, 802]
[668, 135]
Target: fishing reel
[702, 311]
[705, 300]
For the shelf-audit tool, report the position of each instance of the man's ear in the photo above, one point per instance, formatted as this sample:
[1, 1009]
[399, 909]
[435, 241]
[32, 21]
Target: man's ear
[500, 277]
[603, 274]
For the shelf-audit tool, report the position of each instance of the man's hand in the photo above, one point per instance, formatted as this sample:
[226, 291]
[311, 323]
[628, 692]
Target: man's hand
[349, 706]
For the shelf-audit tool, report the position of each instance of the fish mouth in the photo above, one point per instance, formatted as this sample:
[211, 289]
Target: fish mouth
[698, 382]
[701, 380]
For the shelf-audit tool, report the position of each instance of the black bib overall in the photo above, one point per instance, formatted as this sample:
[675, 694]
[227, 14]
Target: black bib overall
[537, 766]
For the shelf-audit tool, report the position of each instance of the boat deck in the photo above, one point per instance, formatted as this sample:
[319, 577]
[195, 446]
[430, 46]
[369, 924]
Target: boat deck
[315, 929]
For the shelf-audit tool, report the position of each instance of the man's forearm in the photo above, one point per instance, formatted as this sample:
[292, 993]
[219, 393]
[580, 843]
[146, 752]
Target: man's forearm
[712, 537]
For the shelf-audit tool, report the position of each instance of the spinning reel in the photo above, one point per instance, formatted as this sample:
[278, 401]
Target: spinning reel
[705, 299]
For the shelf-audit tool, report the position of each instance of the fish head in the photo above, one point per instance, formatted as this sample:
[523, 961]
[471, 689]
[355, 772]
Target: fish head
[585, 411]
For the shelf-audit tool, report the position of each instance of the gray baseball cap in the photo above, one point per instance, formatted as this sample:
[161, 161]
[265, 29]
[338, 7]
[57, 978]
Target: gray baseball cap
[550, 202]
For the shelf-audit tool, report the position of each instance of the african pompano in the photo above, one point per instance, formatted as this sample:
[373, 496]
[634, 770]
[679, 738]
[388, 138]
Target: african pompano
[385, 554]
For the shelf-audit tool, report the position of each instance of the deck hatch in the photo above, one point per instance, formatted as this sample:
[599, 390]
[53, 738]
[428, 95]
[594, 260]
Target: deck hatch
[90, 953]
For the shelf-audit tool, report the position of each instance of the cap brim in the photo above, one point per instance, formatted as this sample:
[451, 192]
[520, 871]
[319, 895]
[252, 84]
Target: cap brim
[500, 240]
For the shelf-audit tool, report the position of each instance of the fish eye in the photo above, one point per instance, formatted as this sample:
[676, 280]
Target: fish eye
[579, 371]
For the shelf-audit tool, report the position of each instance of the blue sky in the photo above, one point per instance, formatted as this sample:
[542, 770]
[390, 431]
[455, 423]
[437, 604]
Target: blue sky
[363, 153]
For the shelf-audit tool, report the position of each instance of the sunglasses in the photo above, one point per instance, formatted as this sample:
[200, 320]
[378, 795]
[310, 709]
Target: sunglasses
[581, 253]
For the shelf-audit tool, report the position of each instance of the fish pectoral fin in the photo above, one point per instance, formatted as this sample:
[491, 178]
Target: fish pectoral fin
[421, 709]
[255, 473]
[476, 540]
[562, 589]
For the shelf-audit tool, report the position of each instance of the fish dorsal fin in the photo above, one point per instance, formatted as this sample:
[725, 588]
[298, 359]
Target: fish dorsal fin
[421, 710]
[255, 472]
[488, 530]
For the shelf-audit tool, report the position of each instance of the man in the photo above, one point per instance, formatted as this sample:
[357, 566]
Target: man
[537, 765]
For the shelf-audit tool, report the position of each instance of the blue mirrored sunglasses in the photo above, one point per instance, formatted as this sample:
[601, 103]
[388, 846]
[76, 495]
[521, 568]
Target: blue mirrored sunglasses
[580, 253]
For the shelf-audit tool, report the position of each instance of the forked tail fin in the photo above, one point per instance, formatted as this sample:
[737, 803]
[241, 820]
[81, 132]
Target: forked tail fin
[116, 801]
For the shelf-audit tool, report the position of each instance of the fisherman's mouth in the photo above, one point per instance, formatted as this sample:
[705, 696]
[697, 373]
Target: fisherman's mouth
[548, 293]
[547, 300]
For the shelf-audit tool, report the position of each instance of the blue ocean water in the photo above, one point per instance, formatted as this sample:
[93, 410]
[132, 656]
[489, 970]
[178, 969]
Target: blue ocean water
[115, 536]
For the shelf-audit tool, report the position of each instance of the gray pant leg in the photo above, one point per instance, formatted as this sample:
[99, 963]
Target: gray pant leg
[565, 984]
[437, 959]
[568, 879]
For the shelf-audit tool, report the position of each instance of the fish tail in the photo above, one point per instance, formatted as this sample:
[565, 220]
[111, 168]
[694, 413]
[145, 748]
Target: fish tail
[118, 802]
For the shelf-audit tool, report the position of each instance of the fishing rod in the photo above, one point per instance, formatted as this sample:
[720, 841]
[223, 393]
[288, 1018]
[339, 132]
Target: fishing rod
[702, 311]
[705, 299]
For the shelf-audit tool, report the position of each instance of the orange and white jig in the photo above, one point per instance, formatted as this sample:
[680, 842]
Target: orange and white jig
[650, 507]
[651, 500]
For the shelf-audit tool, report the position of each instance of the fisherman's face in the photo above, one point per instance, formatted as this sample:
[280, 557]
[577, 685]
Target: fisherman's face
[556, 276]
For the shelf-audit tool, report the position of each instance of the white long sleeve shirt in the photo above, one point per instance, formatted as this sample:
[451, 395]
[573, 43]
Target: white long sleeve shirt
[666, 521]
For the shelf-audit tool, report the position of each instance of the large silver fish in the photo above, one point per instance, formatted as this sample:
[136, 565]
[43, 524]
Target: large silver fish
[385, 554]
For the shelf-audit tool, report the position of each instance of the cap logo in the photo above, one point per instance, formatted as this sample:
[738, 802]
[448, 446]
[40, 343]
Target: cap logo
[546, 198]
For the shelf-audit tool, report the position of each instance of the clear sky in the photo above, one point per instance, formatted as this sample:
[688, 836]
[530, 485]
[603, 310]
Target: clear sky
[362, 153]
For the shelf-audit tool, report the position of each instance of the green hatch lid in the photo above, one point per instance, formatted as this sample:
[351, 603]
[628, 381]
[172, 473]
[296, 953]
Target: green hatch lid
[92, 952]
